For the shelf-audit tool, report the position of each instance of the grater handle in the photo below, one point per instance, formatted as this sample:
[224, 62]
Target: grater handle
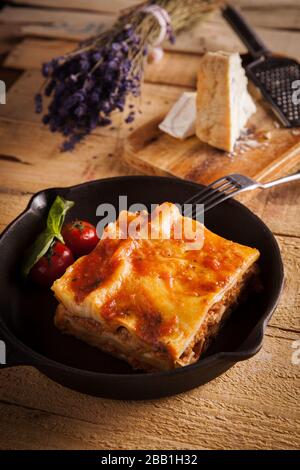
[248, 36]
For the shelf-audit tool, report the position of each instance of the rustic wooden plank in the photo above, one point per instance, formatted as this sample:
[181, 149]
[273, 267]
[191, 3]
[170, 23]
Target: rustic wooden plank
[287, 314]
[117, 5]
[11, 205]
[9, 76]
[7, 40]
[31, 52]
[280, 17]
[20, 105]
[261, 412]
[97, 157]
[266, 4]
[279, 208]
[158, 100]
[21, 15]
[174, 68]
[42, 50]
[87, 5]
[150, 150]
[213, 34]
[54, 23]
[20, 108]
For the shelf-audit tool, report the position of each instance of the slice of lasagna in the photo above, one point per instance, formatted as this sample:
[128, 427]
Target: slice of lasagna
[154, 301]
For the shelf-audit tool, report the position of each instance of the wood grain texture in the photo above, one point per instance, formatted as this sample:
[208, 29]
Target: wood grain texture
[95, 158]
[9, 76]
[87, 5]
[279, 17]
[11, 205]
[262, 411]
[116, 5]
[52, 23]
[148, 153]
[287, 315]
[212, 35]
[267, 4]
[215, 34]
[42, 50]
[31, 53]
[150, 150]
[279, 208]
[20, 106]
[253, 405]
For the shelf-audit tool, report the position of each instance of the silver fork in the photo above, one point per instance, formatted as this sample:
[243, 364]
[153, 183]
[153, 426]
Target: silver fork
[231, 185]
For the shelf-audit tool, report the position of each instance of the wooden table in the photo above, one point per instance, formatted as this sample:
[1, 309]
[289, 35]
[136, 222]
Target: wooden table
[255, 404]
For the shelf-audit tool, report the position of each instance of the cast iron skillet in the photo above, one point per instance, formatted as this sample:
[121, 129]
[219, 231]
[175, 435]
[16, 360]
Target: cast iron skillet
[26, 312]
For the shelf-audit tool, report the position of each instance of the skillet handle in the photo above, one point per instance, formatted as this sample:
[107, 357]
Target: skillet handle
[251, 345]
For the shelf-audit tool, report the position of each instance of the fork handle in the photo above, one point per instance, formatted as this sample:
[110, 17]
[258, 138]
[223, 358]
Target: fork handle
[285, 179]
[248, 36]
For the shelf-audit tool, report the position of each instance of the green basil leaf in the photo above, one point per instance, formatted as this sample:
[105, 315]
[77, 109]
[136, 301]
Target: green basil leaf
[57, 215]
[38, 249]
[41, 245]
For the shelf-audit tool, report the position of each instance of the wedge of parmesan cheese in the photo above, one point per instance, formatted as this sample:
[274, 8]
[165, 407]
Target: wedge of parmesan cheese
[180, 121]
[223, 102]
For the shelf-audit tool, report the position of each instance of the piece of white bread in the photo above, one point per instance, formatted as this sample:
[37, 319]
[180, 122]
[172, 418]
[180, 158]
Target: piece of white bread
[223, 102]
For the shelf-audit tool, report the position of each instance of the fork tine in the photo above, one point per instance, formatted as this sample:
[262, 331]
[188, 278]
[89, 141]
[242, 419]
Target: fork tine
[216, 198]
[213, 203]
[211, 186]
[207, 193]
[214, 192]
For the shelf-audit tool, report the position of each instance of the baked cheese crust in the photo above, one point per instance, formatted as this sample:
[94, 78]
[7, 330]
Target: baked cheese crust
[145, 300]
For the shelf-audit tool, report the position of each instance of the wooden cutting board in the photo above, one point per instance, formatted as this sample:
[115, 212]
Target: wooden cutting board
[267, 151]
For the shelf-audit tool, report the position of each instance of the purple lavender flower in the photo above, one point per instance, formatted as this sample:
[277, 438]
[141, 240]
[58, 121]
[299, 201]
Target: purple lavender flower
[38, 103]
[46, 69]
[130, 117]
[91, 83]
[96, 56]
[50, 87]
[46, 119]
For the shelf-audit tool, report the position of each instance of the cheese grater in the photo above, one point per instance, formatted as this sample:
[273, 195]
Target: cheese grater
[278, 78]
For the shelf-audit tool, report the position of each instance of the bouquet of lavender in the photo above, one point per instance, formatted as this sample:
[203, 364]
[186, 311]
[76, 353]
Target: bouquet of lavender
[87, 85]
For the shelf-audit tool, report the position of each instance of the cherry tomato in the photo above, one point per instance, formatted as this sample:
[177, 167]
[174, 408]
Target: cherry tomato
[80, 236]
[52, 265]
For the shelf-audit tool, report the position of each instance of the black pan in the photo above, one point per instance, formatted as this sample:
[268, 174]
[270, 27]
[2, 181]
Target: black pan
[26, 312]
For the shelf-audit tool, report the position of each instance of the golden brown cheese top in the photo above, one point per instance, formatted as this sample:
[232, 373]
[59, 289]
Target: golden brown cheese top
[161, 291]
